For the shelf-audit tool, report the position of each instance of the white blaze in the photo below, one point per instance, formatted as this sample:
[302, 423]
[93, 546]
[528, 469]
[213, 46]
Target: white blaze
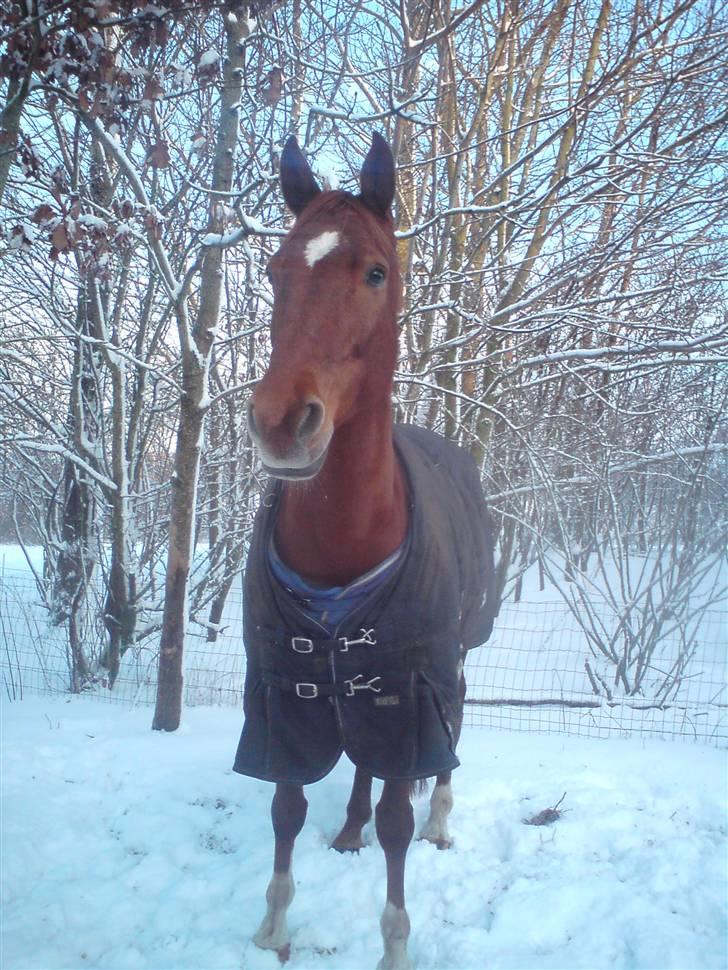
[320, 246]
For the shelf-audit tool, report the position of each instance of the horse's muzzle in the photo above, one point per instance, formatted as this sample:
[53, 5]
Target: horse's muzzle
[296, 474]
[294, 446]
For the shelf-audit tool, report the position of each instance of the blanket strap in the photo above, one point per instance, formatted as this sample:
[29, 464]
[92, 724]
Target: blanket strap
[309, 691]
[303, 644]
[267, 637]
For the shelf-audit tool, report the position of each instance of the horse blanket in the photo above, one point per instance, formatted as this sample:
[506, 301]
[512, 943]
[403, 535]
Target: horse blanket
[385, 688]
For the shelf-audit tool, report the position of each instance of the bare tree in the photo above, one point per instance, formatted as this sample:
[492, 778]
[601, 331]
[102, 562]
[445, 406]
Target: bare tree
[133, 202]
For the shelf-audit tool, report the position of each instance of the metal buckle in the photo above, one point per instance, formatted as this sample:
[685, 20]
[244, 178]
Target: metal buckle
[312, 688]
[367, 637]
[353, 686]
[302, 644]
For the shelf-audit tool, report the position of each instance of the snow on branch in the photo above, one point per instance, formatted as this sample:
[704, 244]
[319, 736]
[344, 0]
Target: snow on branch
[474, 210]
[399, 110]
[637, 465]
[713, 342]
[127, 166]
[22, 441]
[249, 227]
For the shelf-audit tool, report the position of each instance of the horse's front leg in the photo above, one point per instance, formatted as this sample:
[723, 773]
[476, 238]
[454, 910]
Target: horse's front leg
[288, 813]
[358, 813]
[395, 826]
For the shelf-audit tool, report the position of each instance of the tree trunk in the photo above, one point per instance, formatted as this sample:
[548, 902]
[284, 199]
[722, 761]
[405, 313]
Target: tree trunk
[75, 561]
[196, 346]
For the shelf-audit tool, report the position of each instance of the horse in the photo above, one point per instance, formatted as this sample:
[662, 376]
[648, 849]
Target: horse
[370, 569]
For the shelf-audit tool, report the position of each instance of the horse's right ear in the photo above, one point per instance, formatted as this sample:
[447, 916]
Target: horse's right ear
[377, 177]
[297, 182]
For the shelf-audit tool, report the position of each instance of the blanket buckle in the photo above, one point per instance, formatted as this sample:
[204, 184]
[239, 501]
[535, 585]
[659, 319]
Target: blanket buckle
[352, 685]
[367, 637]
[302, 644]
[307, 692]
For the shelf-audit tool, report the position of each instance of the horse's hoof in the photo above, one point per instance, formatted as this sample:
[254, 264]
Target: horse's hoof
[343, 847]
[265, 939]
[348, 842]
[283, 950]
[439, 842]
[387, 963]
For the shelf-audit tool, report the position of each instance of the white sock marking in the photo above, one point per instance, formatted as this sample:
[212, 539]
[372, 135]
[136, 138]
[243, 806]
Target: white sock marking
[395, 926]
[320, 246]
[435, 828]
[273, 931]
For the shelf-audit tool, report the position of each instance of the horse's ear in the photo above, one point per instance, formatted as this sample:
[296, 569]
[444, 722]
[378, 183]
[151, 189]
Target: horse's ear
[377, 177]
[297, 181]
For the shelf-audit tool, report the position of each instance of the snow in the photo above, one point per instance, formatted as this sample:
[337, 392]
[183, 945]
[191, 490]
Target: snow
[23, 238]
[326, 170]
[255, 225]
[125, 847]
[183, 76]
[233, 236]
[209, 58]
[219, 238]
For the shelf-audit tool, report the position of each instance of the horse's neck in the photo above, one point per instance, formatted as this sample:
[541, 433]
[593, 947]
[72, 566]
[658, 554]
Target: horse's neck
[353, 514]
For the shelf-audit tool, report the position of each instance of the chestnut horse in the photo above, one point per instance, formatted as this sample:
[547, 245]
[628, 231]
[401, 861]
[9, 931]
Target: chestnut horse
[321, 418]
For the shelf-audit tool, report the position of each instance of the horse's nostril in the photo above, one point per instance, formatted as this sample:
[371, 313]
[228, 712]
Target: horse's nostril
[312, 417]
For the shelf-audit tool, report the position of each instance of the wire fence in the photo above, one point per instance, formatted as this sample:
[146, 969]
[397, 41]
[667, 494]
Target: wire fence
[531, 676]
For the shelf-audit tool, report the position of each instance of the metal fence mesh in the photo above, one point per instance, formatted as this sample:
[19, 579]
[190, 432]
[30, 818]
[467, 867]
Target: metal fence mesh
[531, 676]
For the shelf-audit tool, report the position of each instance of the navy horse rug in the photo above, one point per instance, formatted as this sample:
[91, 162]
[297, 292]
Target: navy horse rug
[384, 683]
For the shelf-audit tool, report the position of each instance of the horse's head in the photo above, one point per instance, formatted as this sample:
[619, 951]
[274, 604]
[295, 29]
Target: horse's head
[336, 291]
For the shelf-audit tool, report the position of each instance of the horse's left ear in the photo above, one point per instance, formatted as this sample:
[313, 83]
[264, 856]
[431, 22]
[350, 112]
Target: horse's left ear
[377, 177]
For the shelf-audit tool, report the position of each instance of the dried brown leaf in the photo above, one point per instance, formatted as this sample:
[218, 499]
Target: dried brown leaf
[159, 155]
[60, 239]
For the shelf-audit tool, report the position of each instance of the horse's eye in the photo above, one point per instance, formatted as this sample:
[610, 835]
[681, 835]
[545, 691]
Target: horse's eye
[376, 276]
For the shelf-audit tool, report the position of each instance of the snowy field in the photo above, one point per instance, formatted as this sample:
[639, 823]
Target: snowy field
[130, 849]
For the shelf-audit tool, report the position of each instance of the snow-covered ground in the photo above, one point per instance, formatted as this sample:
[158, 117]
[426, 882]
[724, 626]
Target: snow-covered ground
[130, 849]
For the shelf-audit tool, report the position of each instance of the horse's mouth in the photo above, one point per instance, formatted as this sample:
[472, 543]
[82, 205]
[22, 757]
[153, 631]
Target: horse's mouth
[292, 474]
